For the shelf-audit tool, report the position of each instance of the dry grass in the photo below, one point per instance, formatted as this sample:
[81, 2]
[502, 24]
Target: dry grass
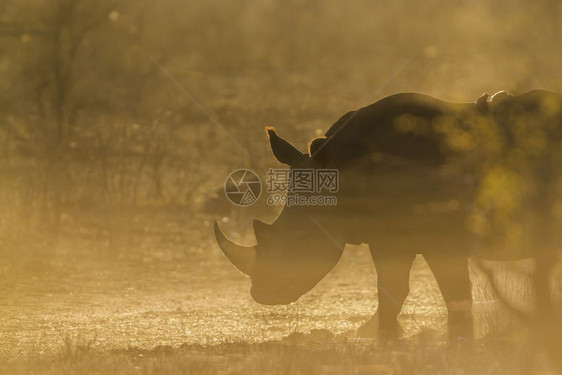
[316, 353]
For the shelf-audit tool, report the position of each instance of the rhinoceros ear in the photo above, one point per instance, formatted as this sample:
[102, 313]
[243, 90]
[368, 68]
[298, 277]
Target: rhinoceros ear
[283, 150]
[318, 152]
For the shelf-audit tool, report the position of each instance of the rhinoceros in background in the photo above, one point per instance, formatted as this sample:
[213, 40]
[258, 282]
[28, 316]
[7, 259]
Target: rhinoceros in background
[416, 176]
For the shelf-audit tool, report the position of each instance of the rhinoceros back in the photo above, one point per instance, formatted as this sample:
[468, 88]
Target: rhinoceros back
[403, 178]
[400, 125]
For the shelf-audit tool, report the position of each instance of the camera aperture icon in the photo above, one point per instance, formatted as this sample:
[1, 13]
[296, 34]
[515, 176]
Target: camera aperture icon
[242, 187]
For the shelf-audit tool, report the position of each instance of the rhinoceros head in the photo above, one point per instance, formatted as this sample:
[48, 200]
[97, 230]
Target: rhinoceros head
[292, 254]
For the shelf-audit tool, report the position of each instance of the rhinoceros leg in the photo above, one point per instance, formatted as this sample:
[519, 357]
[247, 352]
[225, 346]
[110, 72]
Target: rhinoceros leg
[393, 273]
[453, 279]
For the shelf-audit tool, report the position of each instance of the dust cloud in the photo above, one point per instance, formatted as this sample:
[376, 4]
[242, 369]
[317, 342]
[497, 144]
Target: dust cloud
[119, 122]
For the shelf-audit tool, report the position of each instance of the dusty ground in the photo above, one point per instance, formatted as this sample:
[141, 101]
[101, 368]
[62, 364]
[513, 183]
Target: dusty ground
[125, 312]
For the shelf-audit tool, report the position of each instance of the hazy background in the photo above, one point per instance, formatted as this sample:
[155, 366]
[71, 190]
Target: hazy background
[110, 174]
[90, 126]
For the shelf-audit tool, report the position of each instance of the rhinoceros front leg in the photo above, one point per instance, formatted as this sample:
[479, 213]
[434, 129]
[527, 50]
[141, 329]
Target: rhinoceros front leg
[393, 277]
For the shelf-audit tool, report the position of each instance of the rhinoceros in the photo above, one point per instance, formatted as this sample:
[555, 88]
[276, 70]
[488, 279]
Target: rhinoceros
[417, 175]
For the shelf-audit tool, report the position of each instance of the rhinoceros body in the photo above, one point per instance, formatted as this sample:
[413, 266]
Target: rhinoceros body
[416, 176]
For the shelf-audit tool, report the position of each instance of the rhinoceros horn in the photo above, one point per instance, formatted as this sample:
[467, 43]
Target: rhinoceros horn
[241, 257]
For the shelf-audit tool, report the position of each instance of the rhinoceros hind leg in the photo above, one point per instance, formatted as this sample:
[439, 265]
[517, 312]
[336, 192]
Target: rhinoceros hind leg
[453, 279]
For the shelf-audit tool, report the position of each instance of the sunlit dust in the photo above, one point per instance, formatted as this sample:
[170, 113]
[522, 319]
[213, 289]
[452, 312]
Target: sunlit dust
[399, 214]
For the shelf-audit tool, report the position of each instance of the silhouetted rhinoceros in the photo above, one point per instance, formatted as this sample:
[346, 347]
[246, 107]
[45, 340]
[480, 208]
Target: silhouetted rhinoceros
[416, 176]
